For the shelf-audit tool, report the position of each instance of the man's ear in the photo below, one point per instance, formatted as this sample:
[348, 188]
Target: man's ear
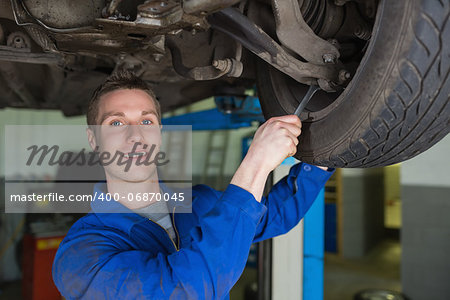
[91, 138]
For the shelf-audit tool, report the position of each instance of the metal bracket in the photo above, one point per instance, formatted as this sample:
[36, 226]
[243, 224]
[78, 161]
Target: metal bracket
[25, 56]
[235, 24]
[206, 6]
[159, 13]
[295, 34]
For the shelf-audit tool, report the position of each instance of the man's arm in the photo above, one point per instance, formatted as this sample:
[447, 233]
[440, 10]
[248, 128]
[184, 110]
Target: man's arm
[274, 141]
[290, 199]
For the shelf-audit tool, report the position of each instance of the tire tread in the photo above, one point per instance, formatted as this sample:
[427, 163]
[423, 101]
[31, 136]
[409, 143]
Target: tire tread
[416, 125]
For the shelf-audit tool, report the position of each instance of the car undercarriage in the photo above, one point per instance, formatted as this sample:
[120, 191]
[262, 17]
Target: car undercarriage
[54, 53]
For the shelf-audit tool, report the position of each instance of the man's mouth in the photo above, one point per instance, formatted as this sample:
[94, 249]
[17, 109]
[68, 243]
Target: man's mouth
[136, 154]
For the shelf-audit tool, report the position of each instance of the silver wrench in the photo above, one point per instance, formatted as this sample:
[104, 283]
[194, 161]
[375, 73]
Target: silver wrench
[309, 94]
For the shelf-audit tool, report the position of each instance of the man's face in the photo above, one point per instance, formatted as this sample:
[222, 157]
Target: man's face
[129, 125]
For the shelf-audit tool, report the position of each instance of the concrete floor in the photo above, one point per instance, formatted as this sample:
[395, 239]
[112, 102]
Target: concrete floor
[11, 290]
[380, 269]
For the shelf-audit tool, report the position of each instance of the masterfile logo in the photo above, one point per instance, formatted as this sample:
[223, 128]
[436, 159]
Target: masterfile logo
[54, 168]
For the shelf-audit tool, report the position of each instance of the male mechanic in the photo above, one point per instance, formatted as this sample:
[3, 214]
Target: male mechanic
[147, 252]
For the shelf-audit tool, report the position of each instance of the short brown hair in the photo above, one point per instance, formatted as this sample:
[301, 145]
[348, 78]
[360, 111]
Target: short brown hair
[119, 81]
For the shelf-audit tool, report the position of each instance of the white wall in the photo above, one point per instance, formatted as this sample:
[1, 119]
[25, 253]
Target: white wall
[431, 168]
[30, 117]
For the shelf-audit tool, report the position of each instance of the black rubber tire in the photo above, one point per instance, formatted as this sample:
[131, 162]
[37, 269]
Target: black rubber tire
[397, 104]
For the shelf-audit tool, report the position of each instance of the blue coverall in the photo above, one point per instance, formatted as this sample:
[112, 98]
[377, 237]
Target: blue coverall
[126, 256]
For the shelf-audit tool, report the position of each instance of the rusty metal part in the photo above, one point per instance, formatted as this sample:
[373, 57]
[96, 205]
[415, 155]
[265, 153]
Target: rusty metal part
[326, 85]
[111, 8]
[344, 75]
[354, 25]
[18, 40]
[25, 56]
[175, 32]
[206, 6]
[229, 67]
[64, 13]
[323, 17]
[220, 64]
[5, 10]
[295, 34]
[158, 8]
[159, 13]
[23, 17]
[335, 43]
[158, 43]
[41, 38]
[129, 63]
[110, 36]
[153, 18]
[110, 41]
[157, 57]
[239, 27]
[329, 58]
[363, 31]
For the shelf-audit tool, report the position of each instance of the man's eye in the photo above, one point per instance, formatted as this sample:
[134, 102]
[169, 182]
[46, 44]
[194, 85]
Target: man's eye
[146, 122]
[116, 123]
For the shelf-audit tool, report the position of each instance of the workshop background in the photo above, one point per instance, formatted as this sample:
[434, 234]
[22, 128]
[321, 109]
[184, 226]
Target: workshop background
[386, 229]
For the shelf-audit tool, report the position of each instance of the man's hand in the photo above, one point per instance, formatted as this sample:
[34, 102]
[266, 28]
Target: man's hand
[275, 140]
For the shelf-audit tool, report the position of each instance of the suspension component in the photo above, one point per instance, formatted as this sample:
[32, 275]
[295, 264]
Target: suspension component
[18, 40]
[295, 34]
[235, 24]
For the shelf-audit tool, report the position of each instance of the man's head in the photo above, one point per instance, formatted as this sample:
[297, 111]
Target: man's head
[118, 81]
[124, 117]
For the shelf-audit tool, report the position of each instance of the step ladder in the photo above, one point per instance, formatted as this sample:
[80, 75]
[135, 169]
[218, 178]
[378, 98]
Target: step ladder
[215, 158]
[176, 143]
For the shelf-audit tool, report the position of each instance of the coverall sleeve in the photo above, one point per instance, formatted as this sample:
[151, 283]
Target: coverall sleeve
[91, 266]
[289, 200]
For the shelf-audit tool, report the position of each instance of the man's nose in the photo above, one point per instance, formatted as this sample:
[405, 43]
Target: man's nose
[134, 134]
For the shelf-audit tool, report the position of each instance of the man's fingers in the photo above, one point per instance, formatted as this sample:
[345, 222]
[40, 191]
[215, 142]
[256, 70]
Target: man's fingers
[292, 143]
[292, 119]
[293, 150]
[293, 129]
[286, 127]
[287, 132]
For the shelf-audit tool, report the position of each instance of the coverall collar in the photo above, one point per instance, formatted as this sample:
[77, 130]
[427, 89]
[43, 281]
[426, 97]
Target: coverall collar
[114, 214]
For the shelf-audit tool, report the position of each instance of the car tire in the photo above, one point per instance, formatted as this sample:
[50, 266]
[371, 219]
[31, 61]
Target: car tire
[397, 103]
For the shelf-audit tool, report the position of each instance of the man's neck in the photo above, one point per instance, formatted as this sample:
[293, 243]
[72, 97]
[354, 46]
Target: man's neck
[134, 195]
